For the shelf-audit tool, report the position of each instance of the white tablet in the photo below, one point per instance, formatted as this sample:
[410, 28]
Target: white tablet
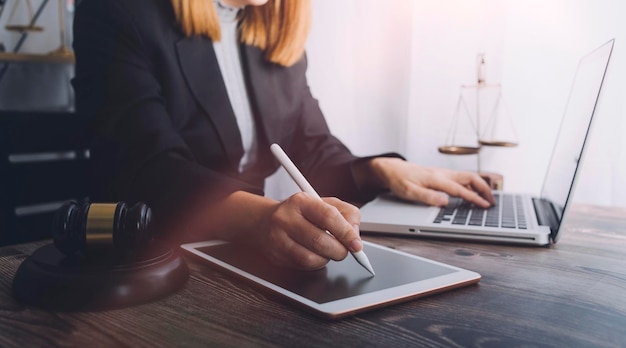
[341, 288]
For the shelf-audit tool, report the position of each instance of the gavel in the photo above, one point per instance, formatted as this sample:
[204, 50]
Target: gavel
[80, 228]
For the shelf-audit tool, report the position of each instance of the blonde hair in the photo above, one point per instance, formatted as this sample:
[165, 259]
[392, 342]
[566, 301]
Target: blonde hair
[280, 27]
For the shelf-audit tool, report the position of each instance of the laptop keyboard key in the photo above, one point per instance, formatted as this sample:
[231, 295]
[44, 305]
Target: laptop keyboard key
[508, 212]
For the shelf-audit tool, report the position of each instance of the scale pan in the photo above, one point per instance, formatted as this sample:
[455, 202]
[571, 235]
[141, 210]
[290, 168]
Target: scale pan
[497, 143]
[23, 28]
[459, 150]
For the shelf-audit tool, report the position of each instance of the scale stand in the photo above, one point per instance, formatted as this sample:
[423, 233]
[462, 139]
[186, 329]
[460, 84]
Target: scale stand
[63, 51]
[451, 147]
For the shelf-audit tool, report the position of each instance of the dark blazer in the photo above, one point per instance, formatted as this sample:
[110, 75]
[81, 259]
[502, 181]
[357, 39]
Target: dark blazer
[164, 131]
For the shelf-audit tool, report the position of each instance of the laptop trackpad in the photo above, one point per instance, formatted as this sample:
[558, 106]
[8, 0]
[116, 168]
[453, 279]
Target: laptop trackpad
[388, 209]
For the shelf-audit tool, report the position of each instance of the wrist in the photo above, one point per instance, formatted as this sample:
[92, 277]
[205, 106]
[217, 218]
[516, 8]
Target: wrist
[238, 216]
[370, 174]
[246, 215]
[380, 167]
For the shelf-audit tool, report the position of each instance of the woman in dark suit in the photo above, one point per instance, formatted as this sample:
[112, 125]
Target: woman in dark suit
[187, 95]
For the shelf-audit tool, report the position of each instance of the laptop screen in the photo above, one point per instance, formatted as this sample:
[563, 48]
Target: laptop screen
[574, 130]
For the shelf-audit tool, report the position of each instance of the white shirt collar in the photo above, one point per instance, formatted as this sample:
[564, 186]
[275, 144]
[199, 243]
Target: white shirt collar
[226, 12]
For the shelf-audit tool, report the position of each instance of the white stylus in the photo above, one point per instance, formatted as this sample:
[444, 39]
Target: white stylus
[304, 185]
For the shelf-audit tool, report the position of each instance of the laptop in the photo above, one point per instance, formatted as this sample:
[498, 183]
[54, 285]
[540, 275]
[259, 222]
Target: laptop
[515, 218]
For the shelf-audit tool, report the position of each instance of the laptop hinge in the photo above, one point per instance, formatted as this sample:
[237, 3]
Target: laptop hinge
[546, 215]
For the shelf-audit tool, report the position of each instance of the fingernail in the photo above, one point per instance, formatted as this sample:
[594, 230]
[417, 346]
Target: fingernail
[486, 203]
[355, 245]
[356, 229]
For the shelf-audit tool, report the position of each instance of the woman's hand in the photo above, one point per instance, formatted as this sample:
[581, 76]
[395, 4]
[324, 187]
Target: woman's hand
[296, 234]
[291, 233]
[426, 184]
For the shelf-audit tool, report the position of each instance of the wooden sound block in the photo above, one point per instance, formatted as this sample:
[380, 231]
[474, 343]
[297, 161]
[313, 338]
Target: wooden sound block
[100, 281]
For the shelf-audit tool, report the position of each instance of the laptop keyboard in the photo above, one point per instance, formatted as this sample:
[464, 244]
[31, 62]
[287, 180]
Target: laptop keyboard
[508, 212]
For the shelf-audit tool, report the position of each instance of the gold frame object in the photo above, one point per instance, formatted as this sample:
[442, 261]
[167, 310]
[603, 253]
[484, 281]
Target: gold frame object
[20, 28]
[62, 54]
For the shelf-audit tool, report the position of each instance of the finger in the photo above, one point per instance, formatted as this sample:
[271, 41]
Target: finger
[472, 182]
[328, 217]
[482, 187]
[350, 212]
[455, 189]
[425, 195]
[320, 242]
[293, 255]
[292, 224]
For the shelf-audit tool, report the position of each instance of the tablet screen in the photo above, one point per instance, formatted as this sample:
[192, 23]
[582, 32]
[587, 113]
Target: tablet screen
[338, 280]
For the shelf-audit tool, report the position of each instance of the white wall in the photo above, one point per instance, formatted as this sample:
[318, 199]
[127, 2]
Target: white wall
[358, 55]
[390, 71]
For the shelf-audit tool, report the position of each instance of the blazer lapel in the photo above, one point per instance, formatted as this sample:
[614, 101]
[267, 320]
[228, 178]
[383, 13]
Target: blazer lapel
[199, 65]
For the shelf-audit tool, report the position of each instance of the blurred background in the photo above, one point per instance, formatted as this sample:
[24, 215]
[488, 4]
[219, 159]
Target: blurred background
[387, 75]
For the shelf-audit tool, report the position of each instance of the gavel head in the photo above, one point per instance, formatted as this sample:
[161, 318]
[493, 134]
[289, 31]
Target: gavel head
[79, 228]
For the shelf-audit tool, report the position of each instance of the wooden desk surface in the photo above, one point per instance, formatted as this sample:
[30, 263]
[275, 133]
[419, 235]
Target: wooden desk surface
[571, 294]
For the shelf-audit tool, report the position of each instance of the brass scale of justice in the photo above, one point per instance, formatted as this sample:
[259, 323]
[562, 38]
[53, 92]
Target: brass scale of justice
[63, 51]
[453, 148]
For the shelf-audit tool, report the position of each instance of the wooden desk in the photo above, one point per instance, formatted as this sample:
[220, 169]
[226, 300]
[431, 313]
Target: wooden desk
[571, 294]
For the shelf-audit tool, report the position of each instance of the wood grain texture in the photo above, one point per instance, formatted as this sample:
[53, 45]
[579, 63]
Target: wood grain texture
[572, 294]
